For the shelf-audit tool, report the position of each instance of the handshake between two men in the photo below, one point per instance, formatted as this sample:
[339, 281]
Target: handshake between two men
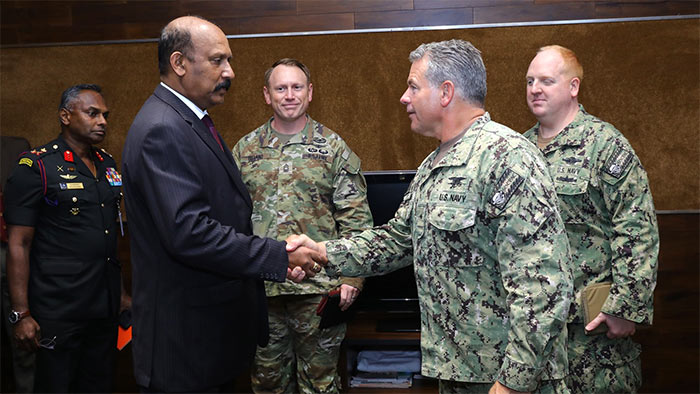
[306, 257]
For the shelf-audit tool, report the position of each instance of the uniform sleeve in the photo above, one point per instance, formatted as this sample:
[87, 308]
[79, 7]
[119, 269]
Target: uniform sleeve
[236, 152]
[375, 251]
[635, 235]
[24, 193]
[533, 259]
[351, 210]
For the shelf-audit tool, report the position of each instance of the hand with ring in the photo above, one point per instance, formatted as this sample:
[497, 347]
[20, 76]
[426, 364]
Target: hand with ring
[305, 260]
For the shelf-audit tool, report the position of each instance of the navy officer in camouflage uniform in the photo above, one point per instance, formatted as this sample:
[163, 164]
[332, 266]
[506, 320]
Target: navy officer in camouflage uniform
[62, 203]
[302, 178]
[606, 205]
[481, 227]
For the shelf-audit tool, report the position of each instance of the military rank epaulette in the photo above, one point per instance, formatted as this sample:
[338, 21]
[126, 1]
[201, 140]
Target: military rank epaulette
[618, 162]
[38, 152]
[506, 185]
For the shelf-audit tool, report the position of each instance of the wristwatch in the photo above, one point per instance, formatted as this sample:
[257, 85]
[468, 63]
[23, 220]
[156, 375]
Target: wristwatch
[15, 316]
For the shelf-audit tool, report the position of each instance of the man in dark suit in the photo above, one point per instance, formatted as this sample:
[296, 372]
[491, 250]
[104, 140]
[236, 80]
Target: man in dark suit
[198, 296]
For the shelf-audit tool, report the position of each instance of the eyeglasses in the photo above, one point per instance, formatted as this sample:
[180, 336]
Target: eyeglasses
[48, 343]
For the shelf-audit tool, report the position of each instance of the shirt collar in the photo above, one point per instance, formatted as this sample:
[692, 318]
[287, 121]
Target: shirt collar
[197, 111]
[572, 134]
[305, 136]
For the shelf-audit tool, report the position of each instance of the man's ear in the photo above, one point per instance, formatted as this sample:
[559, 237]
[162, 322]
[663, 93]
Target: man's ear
[64, 116]
[574, 85]
[266, 94]
[447, 92]
[311, 91]
[177, 60]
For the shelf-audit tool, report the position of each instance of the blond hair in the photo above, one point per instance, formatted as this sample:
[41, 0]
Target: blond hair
[571, 67]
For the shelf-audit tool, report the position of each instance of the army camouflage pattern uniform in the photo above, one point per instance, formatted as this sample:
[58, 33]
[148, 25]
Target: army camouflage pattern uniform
[606, 205]
[490, 256]
[311, 184]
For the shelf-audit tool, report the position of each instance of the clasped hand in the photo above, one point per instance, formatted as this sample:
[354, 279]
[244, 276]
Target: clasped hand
[306, 257]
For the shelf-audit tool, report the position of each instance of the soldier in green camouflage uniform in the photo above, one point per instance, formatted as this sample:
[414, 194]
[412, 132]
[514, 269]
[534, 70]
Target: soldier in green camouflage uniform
[308, 181]
[480, 225]
[606, 205]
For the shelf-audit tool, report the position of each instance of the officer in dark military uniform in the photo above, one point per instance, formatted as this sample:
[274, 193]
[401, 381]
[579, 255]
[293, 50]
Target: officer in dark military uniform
[62, 205]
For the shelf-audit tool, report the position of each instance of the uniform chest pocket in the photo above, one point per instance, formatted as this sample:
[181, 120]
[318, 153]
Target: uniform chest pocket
[571, 181]
[575, 205]
[451, 218]
[70, 204]
[451, 237]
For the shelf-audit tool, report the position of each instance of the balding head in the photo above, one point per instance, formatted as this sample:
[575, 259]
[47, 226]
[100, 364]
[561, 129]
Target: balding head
[193, 57]
[180, 35]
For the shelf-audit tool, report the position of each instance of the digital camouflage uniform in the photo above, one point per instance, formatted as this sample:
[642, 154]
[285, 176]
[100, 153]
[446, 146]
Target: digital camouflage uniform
[490, 256]
[606, 205]
[313, 185]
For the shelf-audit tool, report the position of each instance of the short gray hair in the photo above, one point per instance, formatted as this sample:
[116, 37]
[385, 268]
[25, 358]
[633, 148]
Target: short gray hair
[70, 95]
[457, 61]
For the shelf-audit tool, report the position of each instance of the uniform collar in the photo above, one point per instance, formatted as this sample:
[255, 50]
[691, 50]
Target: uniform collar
[69, 156]
[572, 135]
[460, 151]
[305, 136]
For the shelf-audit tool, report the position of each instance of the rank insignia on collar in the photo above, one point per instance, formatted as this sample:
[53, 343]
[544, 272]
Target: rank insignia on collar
[113, 176]
[99, 156]
[68, 156]
[68, 176]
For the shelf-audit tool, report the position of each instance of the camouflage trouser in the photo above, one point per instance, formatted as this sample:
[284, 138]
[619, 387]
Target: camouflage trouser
[598, 364]
[545, 387]
[300, 357]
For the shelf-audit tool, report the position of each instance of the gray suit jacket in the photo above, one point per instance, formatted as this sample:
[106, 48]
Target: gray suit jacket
[199, 306]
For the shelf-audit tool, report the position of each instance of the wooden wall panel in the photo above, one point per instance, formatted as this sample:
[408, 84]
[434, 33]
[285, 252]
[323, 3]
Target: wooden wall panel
[35, 22]
[643, 77]
[447, 16]
[537, 12]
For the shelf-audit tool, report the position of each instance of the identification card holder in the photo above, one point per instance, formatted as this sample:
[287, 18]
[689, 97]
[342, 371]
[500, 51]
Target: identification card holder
[592, 298]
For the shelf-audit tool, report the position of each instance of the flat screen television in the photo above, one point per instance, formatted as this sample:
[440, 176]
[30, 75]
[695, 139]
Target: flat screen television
[395, 293]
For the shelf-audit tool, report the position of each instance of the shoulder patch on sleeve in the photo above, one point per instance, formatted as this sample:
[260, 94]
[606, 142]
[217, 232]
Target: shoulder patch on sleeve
[26, 161]
[352, 163]
[506, 185]
[619, 162]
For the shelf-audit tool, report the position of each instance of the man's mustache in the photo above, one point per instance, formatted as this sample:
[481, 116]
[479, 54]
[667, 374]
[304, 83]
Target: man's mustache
[223, 85]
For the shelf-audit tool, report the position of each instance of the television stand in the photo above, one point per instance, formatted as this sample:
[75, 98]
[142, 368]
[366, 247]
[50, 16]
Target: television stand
[399, 324]
[364, 333]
